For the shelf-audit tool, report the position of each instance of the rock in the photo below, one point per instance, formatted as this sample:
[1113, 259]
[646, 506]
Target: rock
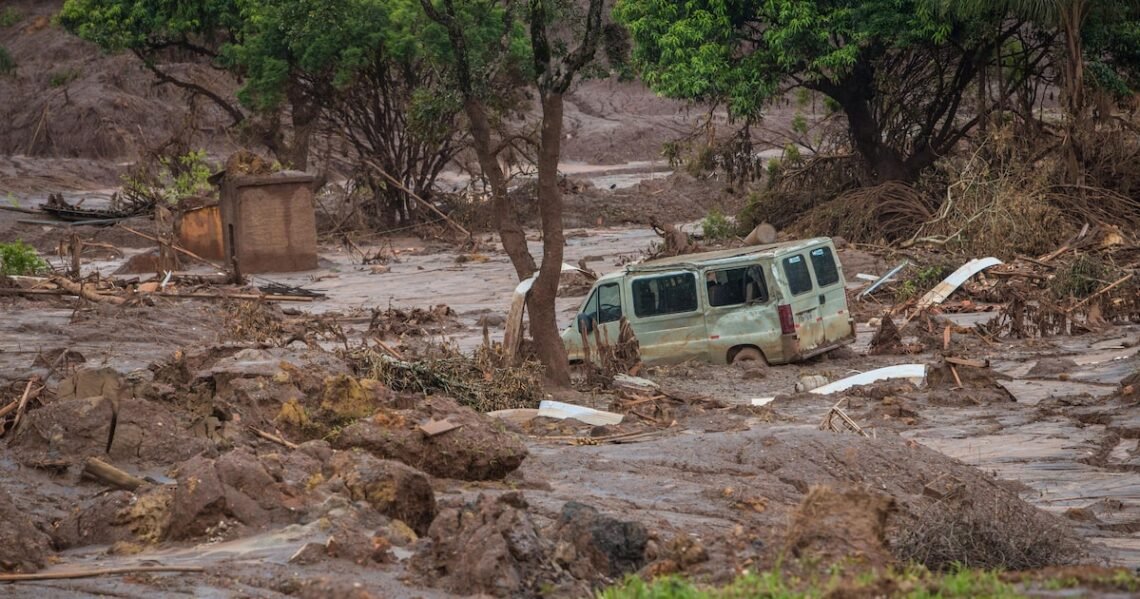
[845, 525]
[75, 428]
[118, 517]
[23, 548]
[481, 449]
[590, 543]
[90, 382]
[489, 546]
[234, 487]
[391, 488]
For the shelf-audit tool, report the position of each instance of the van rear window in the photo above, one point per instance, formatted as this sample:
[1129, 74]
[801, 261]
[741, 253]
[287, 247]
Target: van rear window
[824, 264]
[799, 280]
[669, 294]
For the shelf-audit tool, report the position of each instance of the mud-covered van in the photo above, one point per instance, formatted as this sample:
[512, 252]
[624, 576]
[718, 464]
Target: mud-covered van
[778, 303]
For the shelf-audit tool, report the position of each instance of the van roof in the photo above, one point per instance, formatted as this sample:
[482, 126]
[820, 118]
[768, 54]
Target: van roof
[727, 256]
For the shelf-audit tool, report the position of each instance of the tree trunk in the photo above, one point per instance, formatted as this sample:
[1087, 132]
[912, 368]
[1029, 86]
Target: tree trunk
[305, 113]
[543, 318]
[506, 217]
[1072, 82]
[883, 163]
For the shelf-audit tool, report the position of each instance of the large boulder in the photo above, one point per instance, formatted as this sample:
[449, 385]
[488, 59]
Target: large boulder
[391, 488]
[592, 544]
[234, 488]
[480, 449]
[23, 548]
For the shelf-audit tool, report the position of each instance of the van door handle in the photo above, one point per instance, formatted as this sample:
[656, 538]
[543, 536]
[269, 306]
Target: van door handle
[822, 299]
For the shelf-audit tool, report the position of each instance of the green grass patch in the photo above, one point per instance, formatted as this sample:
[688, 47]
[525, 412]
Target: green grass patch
[913, 582]
[9, 16]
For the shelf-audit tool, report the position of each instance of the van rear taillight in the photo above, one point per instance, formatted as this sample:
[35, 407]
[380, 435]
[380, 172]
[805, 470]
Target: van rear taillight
[787, 323]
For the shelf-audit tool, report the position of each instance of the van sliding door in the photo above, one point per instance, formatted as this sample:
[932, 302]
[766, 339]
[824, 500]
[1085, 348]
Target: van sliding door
[668, 320]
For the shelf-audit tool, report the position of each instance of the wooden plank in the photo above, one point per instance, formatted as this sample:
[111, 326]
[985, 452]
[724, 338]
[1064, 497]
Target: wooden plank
[967, 362]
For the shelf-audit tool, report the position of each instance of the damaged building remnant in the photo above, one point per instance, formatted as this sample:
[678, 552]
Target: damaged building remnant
[269, 222]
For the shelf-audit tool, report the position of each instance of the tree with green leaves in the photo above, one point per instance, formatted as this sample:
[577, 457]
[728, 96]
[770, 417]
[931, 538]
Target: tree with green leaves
[897, 69]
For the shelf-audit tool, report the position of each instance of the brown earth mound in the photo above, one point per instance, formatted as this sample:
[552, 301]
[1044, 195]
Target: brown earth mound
[23, 548]
[850, 525]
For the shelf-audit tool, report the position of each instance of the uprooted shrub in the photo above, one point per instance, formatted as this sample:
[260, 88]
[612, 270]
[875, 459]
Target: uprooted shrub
[482, 381]
[990, 531]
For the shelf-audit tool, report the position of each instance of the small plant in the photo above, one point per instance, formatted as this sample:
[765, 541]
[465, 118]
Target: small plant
[7, 63]
[9, 16]
[190, 172]
[63, 77]
[716, 225]
[18, 258]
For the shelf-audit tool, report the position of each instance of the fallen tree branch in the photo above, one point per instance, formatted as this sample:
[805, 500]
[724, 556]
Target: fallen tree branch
[271, 437]
[176, 248]
[108, 474]
[92, 573]
[22, 406]
[82, 290]
[1112, 286]
[417, 198]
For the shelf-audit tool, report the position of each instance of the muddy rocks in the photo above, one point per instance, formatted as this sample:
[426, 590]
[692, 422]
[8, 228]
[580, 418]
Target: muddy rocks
[489, 546]
[146, 432]
[1052, 367]
[23, 548]
[391, 488]
[235, 486]
[480, 449]
[117, 517]
[590, 543]
[834, 525]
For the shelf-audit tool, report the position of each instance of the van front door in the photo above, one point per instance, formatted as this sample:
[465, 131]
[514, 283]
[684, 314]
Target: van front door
[600, 317]
[668, 319]
[804, 301]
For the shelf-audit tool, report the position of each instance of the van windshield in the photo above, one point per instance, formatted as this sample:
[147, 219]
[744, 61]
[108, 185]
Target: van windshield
[735, 286]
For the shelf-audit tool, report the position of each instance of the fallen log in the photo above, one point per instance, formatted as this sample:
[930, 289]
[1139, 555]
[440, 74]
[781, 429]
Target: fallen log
[82, 290]
[22, 406]
[108, 474]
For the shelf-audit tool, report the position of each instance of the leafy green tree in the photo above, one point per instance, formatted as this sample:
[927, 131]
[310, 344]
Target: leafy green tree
[897, 69]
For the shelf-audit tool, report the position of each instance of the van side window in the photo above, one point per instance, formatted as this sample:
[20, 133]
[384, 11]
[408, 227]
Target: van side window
[824, 264]
[605, 304]
[795, 268]
[669, 294]
[736, 286]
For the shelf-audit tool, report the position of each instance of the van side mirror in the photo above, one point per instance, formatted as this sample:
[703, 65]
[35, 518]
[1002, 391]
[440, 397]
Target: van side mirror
[585, 323]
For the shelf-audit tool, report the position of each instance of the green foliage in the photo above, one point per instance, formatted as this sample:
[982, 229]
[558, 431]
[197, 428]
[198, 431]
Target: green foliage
[1081, 278]
[913, 583]
[62, 77]
[190, 173]
[176, 178]
[18, 258]
[716, 225]
[9, 16]
[7, 63]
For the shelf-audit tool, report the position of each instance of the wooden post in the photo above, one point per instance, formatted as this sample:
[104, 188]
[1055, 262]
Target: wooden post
[106, 473]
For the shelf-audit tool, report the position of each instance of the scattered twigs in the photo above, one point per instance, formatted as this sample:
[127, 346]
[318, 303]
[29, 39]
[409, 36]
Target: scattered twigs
[421, 201]
[110, 475]
[176, 248]
[94, 572]
[22, 405]
[271, 437]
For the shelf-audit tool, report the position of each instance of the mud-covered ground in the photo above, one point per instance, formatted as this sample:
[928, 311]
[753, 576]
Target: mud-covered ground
[367, 506]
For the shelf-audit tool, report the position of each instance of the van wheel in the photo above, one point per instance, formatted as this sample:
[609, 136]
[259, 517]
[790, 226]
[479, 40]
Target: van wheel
[749, 356]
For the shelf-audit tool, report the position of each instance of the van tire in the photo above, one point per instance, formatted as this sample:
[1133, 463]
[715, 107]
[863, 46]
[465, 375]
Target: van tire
[746, 355]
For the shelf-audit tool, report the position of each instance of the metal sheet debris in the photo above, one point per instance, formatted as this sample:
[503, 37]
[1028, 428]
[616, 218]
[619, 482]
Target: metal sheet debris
[955, 280]
[916, 373]
[562, 411]
[885, 278]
